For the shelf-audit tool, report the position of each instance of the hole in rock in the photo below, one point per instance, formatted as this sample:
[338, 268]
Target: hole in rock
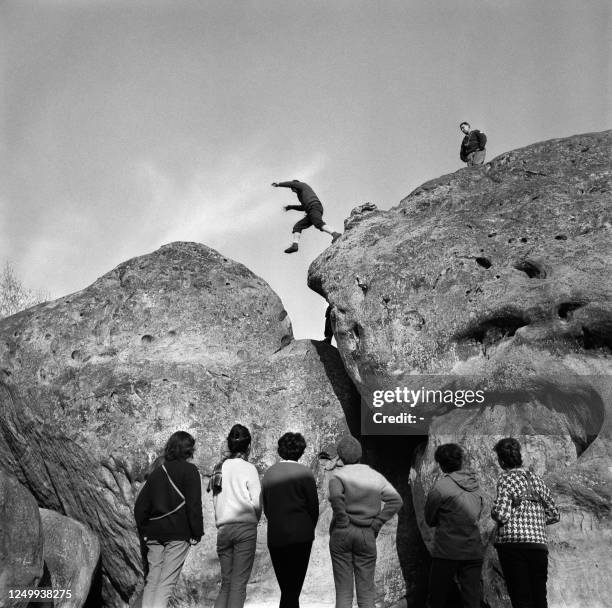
[147, 339]
[484, 262]
[561, 237]
[524, 239]
[566, 308]
[493, 329]
[76, 355]
[597, 336]
[282, 315]
[172, 333]
[531, 269]
[285, 340]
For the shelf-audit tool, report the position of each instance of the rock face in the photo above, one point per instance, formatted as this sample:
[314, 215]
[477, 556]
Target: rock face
[21, 540]
[499, 275]
[71, 553]
[94, 383]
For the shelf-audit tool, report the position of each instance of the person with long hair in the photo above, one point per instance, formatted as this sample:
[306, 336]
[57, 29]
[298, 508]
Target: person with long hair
[523, 508]
[237, 499]
[168, 513]
[291, 505]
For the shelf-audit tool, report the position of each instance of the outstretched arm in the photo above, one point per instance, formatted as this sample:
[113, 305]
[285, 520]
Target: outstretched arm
[295, 208]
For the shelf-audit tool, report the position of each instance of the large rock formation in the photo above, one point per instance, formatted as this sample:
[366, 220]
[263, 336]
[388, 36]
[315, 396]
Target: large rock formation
[497, 277]
[72, 552]
[94, 383]
[21, 541]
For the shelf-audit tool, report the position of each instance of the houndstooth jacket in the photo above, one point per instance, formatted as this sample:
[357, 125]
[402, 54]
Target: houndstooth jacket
[523, 508]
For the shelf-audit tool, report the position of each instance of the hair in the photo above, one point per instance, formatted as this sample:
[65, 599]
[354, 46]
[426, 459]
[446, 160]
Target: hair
[509, 453]
[239, 439]
[464, 123]
[180, 446]
[291, 446]
[449, 456]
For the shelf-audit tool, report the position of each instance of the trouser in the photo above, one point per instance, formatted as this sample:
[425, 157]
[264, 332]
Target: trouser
[526, 572]
[441, 577]
[236, 545]
[290, 565]
[313, 217]
[165, 561]
[475, 158]
[353, 554]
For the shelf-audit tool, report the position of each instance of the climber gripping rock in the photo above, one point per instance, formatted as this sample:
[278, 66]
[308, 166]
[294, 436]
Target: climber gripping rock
[311, 205]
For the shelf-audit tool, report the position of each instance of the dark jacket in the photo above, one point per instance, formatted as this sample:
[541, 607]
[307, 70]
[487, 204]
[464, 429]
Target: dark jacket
[474, 140]
[305, 194]
[158, 498]
[290, 502]
[453, 507]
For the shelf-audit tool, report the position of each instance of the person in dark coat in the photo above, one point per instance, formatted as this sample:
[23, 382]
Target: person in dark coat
[523, 508]
[311, 205]
[453, 507]
[168, 514]
[473, 145]
[291, 505]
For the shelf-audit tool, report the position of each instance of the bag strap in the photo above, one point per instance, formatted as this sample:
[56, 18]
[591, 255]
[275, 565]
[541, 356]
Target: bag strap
[176, 490]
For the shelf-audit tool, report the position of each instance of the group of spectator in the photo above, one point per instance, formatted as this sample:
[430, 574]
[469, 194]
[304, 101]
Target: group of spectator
[168, 514]
[522, 509]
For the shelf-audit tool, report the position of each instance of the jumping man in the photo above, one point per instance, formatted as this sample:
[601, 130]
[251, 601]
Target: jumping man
[310, 203]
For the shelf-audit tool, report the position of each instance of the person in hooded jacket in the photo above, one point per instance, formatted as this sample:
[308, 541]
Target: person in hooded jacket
[453, 508]
[168, 513]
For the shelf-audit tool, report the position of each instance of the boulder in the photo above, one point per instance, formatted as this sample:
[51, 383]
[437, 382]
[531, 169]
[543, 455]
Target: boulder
[94, 383]
[21, 541]
[72, 553]
[496, 278]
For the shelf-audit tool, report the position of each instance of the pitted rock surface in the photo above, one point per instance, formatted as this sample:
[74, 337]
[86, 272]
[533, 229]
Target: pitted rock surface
[499, 273]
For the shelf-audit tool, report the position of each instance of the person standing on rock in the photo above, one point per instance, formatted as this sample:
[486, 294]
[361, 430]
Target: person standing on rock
[291, 505]
[168, 513]
[523, 508]
[453, 507]
[310, 203]
[473, 145]
[237, 501]
[355, 493]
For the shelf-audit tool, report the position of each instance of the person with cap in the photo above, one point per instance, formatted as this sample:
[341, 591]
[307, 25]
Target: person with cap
[453, 507]
[473, 145]
[355, 493]
[309, 203]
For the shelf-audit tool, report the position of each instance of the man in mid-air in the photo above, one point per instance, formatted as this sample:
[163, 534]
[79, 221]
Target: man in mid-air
[473, 145]
[310, 203]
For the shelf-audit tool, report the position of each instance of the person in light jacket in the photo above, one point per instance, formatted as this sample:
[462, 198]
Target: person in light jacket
[356, 492]
[237, 501]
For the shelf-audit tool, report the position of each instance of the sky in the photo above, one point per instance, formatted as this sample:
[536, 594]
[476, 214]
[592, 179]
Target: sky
[126, 124]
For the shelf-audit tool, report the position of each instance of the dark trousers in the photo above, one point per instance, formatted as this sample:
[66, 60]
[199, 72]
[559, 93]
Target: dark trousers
[441, 577]
[526, 572]
[313, 217]
[290, 565]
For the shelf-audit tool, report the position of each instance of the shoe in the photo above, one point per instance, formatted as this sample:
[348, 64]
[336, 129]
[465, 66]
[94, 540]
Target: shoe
[336, 236]
[292, 249]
